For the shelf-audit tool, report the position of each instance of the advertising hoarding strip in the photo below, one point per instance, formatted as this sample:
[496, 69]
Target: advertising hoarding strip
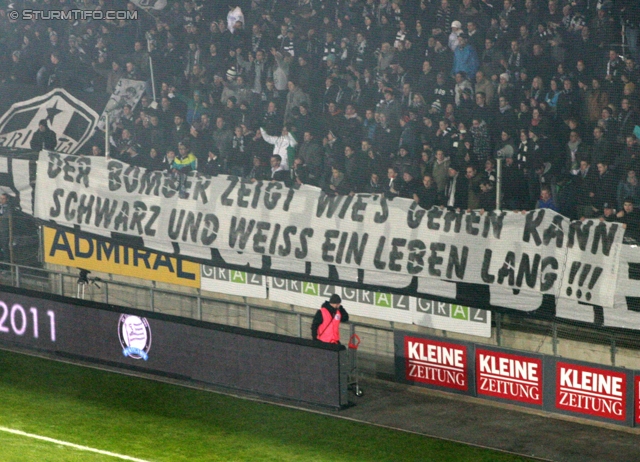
[602, 393]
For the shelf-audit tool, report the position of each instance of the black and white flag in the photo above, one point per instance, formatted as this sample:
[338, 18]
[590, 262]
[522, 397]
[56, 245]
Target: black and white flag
[150, 4]
[22, 107]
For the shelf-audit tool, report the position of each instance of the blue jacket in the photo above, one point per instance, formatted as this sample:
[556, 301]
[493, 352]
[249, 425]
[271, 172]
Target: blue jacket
[465, 60]
[550, 204]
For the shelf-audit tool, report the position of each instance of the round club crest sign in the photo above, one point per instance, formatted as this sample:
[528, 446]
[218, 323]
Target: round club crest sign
[73, 121]
[135, 336]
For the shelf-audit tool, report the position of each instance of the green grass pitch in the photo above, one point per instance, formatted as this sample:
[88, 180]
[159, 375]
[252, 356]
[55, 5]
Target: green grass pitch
[156, 421]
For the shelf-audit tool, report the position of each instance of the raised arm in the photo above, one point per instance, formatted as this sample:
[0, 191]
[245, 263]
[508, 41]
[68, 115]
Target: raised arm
[268, 138]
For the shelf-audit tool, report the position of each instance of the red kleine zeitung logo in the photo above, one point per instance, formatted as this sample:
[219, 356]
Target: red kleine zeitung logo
[636, 393]
[589, 390]
[436, 363]
[507, 376]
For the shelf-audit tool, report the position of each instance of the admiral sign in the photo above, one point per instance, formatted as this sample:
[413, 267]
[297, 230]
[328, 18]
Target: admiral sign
[436, 363]
[589, 390]
[72, 120]
[70, 249]
[508, 376]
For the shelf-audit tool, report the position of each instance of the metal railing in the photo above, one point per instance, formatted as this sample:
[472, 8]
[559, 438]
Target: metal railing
[376, 353]
[292, 321]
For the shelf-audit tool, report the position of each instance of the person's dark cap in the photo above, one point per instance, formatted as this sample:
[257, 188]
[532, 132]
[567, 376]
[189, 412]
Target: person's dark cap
[335, 298]
[455, 165]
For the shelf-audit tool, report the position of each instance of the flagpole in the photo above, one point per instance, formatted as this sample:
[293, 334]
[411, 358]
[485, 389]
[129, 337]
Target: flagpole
[106, 135]
[499, 184]
[153, 80]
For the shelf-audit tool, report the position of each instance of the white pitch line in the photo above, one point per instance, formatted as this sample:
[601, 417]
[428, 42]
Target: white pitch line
[71, 445]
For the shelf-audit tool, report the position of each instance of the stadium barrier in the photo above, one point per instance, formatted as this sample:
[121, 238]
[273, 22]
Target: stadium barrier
[557, 385]
[376, 355]
[378, 352]
[372, 307]
[190, 351]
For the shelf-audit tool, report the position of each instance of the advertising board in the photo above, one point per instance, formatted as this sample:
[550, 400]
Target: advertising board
[385, 306]
[434, 363]
[508, 376]
[636, 398]
[233, 282]
[592, 391]
[94, 254]
[170, 346]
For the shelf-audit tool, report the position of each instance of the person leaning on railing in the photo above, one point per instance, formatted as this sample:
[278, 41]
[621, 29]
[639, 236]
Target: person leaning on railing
[184, 163]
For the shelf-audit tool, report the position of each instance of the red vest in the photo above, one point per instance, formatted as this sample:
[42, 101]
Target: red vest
[329, 330]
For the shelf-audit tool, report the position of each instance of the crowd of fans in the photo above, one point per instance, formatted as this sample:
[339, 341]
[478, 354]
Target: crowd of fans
[414, 99]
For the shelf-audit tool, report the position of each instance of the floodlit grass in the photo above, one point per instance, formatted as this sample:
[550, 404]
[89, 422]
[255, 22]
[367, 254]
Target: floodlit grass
[160, 422]
[20, 449]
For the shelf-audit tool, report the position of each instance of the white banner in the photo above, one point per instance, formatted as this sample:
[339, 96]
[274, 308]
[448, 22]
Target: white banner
[15, 180]
[150, 4]
[127, 91]
[385, 306]
[539, 252]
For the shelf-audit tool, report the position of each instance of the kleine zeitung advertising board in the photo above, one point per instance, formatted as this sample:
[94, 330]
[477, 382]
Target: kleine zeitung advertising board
[433, 362]
[509, 376]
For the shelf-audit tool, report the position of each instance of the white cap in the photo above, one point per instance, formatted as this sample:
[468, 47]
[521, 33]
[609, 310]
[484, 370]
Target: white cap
[456, 24]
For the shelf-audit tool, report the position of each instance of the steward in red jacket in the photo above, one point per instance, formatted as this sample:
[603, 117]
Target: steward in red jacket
[326, 322]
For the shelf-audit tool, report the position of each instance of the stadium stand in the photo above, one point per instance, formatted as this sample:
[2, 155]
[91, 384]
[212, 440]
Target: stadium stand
[348, 91]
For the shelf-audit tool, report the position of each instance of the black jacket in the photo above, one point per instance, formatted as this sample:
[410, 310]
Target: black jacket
[461, 197]
[211, 167]
[427, 197]
[44, 140]
[605, 190]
